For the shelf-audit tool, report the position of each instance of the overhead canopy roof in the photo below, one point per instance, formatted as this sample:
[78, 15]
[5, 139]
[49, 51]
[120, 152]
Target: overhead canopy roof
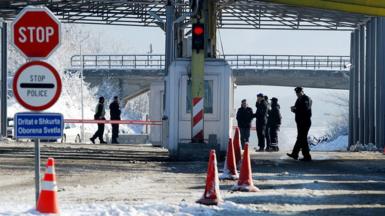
[234, 14]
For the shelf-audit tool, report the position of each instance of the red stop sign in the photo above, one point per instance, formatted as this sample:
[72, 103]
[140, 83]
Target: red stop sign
[36, 32]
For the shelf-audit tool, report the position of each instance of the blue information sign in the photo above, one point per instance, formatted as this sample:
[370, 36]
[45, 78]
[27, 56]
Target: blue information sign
[39, 125]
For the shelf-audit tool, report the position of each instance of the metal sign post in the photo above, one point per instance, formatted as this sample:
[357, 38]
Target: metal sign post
[37, 170]
[37, 85]
[38, 126]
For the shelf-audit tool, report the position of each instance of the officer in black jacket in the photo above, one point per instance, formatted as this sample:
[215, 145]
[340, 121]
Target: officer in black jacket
[274, 123]
[267, 130]
[244, 117]
[261, 115]
[99, 115]
[115, 115]
[302, 110]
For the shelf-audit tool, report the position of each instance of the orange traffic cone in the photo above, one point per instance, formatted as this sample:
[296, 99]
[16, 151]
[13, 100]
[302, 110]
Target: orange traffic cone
[230, 169]
[47, 202]
[237, 147]
[245, 182]
[211, 195]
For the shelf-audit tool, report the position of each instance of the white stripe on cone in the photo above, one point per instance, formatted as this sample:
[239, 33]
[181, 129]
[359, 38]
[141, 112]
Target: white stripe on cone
[50, 170]
[49, 186]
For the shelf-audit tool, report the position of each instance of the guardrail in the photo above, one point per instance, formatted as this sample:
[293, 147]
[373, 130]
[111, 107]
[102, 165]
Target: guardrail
[309, 62]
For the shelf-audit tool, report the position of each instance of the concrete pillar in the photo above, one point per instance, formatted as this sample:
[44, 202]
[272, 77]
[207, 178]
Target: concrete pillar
[371, 80]
[355, 86]
[351, 89]
[380, 94]
[377, 87]
[362, 85]
[169, 51]
[367, 75]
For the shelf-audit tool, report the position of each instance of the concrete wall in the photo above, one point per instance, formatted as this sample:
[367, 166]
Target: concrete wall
[156, 111]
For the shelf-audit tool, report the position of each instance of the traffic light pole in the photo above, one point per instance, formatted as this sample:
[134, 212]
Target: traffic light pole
[203, 45]
[197, 91]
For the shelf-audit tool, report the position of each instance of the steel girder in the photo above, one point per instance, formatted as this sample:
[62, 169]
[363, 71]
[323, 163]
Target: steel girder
[232, 14]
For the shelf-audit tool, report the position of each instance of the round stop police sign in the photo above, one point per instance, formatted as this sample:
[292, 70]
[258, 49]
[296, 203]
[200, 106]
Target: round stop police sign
[36, 32]
[37, 85]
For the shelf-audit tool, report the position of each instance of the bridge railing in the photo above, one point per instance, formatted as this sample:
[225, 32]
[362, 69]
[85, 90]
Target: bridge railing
[309, 62]
[118, 61]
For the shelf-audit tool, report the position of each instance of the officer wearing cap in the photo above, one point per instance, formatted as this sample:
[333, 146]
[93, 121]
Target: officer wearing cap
[261, 122]
[302, 111]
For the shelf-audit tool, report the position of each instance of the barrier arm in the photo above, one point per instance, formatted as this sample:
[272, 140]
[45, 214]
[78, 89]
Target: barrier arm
[90, 121]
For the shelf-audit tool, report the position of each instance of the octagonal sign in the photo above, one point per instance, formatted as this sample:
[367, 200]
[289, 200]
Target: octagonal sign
[36, 32]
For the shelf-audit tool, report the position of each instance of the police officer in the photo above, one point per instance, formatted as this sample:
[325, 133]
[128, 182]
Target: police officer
[302, 110]
[115, 115]
[261, 115]
[274, 123]
[244, 117]
[267, 131]
[100, 112]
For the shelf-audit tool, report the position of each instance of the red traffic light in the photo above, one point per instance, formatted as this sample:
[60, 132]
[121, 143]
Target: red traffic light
[198, 30]
[198, 36]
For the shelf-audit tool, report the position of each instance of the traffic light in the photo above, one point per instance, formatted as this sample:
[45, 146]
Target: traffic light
[198, 36]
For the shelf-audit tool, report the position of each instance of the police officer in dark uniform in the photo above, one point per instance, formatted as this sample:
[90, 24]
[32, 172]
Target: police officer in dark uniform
[99, 115]
[274, 123]
[267, 131]
[302, 110]
[115, 115]
[244, 117]
[261, 115]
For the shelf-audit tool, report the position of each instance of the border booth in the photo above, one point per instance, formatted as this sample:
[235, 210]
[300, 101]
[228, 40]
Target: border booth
[218, 109]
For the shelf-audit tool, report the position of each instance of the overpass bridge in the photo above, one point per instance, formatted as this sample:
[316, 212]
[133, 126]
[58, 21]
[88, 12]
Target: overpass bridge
[135, 73]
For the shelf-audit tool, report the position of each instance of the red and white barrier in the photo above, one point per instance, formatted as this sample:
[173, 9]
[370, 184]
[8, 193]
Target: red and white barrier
[197, 124]
[89, 121]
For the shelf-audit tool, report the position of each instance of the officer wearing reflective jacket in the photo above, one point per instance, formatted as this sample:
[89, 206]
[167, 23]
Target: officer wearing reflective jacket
[302, 111]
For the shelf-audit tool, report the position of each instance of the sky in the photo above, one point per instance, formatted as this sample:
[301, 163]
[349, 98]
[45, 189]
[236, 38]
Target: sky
[138, 40]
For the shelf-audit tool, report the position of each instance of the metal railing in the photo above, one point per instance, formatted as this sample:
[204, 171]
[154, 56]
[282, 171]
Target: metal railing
[285, 62]
[309, 62]
[119, 61]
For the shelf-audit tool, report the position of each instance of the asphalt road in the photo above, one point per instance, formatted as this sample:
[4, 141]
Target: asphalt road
[335, 183]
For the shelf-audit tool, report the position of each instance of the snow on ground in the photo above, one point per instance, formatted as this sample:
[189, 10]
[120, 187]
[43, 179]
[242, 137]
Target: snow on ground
[128, 187]
[148, 209]
[339, 144]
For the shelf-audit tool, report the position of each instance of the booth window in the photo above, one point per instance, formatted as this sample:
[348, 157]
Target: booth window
[208, 103]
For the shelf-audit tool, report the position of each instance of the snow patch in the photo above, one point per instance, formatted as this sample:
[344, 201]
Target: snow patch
[359, 147]
[148, 209]
[339, 144]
